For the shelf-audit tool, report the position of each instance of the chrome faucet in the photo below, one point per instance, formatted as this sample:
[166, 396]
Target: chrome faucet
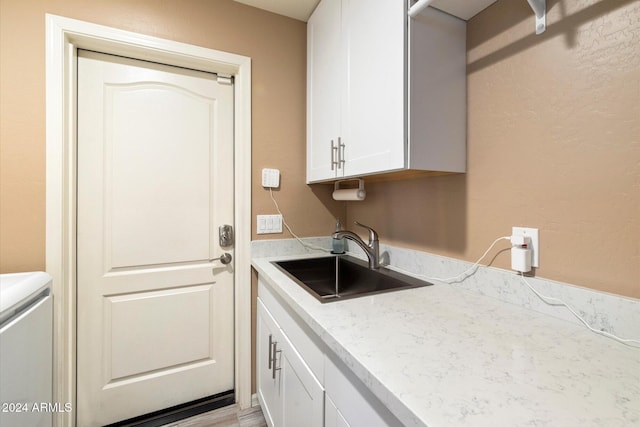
[371, 249]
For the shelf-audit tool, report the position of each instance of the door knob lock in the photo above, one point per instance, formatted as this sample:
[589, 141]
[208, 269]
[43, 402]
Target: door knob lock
[225, 258]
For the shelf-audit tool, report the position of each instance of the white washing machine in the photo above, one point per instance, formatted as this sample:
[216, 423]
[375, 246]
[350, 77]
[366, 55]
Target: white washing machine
[26, 349]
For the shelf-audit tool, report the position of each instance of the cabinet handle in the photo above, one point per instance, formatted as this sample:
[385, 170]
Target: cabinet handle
[340, 153]
[270, 346]
[275, 351]
[334, 149]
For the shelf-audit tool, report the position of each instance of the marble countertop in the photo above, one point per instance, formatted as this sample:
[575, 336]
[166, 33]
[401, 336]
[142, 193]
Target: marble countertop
[442, 356]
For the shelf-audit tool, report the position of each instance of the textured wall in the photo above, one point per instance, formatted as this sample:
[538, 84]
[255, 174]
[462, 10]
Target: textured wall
[553, 132]
[277, 46]
[553, 143]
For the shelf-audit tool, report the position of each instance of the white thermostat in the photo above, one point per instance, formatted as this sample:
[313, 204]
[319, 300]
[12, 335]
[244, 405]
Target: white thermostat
[270, 178]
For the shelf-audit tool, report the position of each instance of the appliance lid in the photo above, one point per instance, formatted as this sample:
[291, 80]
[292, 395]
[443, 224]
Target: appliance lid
[20, 289]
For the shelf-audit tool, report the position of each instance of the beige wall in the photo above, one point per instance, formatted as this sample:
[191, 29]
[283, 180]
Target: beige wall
[277, 46]
[553, 132]
[553, 143]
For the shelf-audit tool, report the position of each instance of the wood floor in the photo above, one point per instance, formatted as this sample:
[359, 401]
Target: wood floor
[229, 416]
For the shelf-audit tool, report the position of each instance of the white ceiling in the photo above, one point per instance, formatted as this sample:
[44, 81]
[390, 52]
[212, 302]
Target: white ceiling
[465, 9]
[297, 9]
[302, 9]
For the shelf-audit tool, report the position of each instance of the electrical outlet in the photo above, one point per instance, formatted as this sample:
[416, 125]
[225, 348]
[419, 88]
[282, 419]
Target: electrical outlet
[269, 224]
[533, 234]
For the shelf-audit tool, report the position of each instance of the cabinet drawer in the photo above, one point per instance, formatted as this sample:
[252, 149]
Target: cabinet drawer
[303, 339]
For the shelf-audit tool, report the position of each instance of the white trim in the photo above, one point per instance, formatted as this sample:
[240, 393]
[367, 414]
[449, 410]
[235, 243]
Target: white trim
[63, 37]
[254, 400]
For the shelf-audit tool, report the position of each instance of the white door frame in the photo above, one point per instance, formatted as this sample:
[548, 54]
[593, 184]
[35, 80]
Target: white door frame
[63, 37]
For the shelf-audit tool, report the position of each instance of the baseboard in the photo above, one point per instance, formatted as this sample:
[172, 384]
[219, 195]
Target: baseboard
[254, 400]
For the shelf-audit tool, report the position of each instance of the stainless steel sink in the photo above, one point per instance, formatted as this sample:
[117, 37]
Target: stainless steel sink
[342, 277]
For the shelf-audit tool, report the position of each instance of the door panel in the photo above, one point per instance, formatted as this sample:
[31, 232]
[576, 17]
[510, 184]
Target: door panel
[268, 385]
[325, 77]
[155, 316]
[159, 341]
[147, 206]
[302, 394]
[289, 393]
[374, 102]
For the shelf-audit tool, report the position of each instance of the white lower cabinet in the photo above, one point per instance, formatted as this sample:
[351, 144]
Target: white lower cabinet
[301, 382]
[289, 394]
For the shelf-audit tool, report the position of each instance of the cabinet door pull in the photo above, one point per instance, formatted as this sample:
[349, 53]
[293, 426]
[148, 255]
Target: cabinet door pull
[334, 149]
[340, 153]
[275, 352]
[270, 346]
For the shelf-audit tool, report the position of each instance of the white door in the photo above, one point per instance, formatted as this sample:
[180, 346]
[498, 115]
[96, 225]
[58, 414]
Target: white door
[155, 181]
[324, 89]
[301, 393]
[288, 392]
[373, 104]
[268, 380]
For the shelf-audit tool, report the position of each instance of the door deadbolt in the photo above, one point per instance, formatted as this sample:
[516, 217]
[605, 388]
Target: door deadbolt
[225, 235]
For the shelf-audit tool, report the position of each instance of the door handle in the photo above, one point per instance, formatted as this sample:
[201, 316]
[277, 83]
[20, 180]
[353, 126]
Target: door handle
[225, 258]
[270, 347]
[275, 358]
[334, 150]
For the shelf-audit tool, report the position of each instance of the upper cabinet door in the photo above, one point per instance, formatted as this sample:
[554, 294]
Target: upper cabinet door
[325, 83]
[373, 129]
[355, 88]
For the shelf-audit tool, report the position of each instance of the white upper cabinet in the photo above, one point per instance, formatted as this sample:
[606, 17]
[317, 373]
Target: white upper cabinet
[384, 93]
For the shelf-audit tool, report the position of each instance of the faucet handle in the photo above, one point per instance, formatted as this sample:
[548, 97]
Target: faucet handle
[373, 236]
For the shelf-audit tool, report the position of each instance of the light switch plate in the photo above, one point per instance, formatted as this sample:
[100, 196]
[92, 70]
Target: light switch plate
[270, 178]
[269, 224]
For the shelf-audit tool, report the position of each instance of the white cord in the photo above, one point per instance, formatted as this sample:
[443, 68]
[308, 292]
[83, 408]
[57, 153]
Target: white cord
[448, 279]
[548, 300]
[556, 301]
[474, 266]
[303, 243]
